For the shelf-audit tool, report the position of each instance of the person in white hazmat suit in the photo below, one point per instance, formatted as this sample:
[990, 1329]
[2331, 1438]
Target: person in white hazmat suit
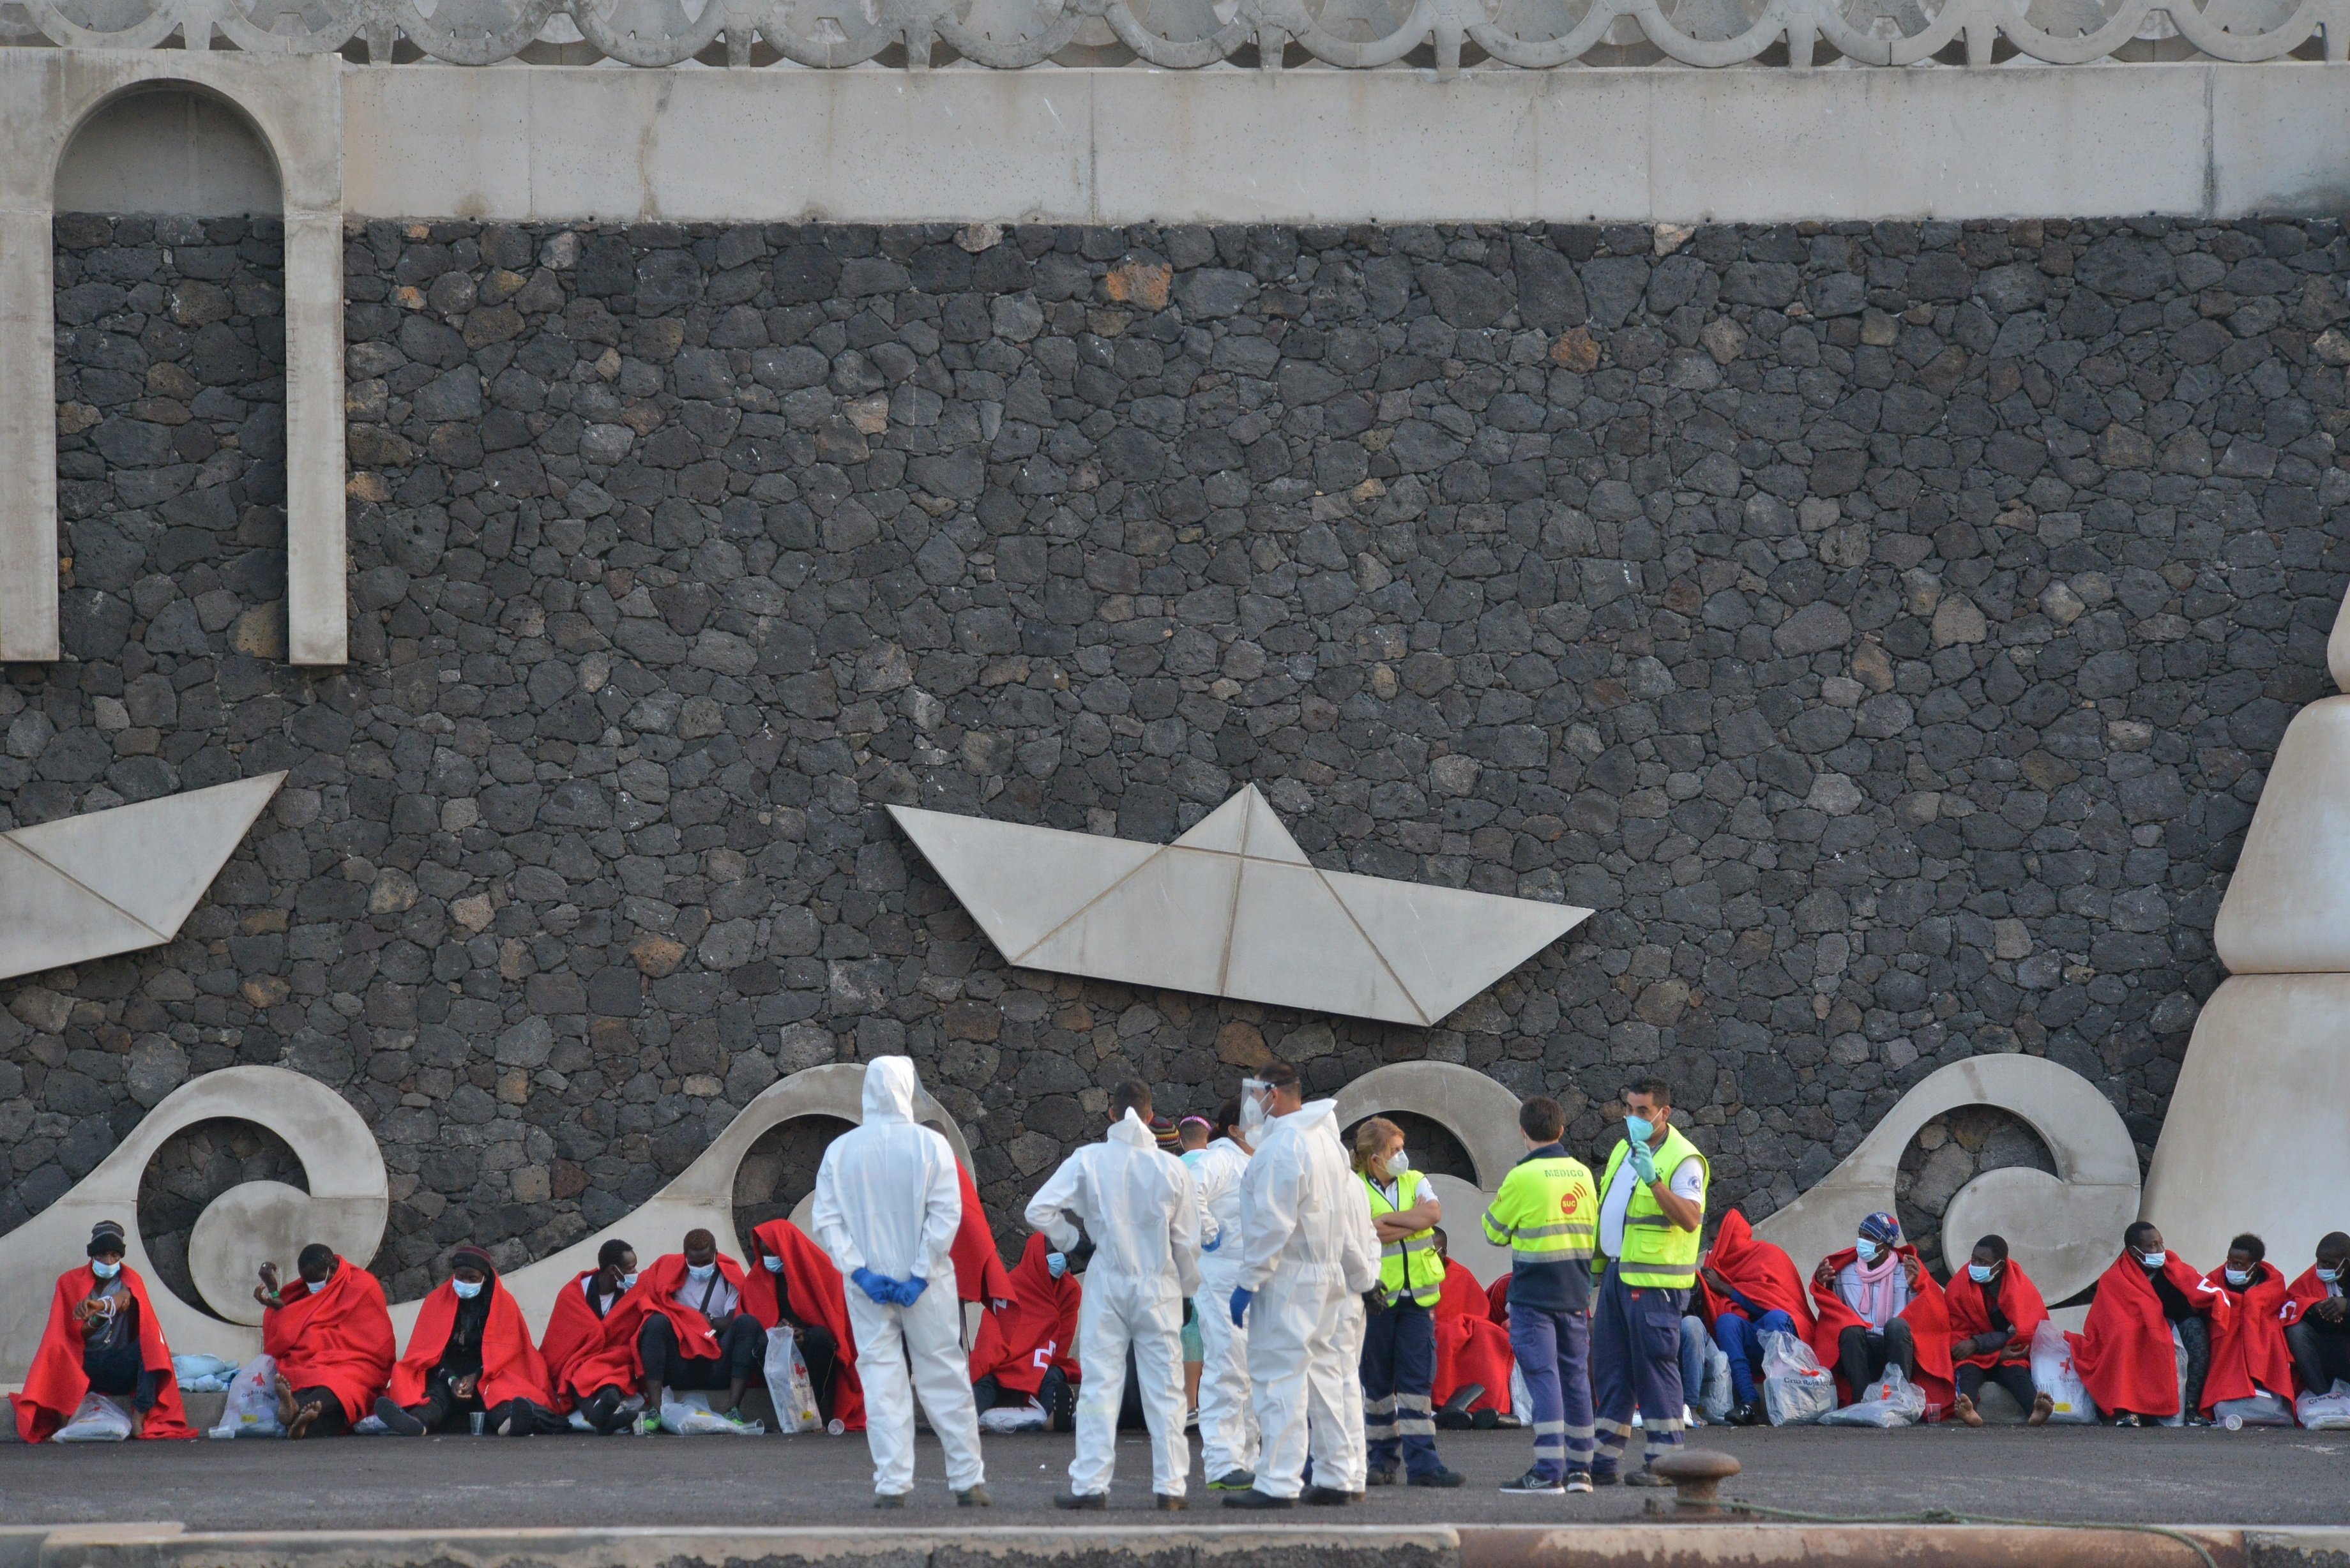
[1309, 1252]
[1228, 1435]
[1141, 1216]
[887, 1203]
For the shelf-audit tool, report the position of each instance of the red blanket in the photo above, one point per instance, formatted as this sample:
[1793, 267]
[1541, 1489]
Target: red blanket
[607, 1358]
[1463, 1295]
[1929, 1328]
[1037, 1332]
[979, 1268]
[818, 1297]
[54, 1384]
[2124, 1354]
[573, 1333]
[1759, 1270]
[2247, 1349]
[1497, 1301]
[2019, 1303]
[337, 1336]
[511, 1368]
[2306, 1292]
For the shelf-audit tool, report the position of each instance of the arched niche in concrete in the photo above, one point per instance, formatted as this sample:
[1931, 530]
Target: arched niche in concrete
[164, 147]
[702, 1196]
[1473, 1108]
[294, 108]
[346, 1208]
[2063, 1229]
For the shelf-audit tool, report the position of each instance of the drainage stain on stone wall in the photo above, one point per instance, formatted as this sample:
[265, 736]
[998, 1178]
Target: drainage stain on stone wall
[1887, 629]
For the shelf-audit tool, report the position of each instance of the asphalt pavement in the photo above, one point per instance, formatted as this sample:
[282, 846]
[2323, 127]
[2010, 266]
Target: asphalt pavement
[2014, 1472]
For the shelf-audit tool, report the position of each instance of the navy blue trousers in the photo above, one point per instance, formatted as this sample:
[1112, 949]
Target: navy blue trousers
[1399, 1385]
[1636, 1357]
[1553, 1352]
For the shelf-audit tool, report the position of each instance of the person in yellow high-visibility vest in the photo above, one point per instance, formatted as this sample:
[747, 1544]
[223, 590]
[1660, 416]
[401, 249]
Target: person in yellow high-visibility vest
[1651, 1210]
[1398, 1360]
[1548, 1215]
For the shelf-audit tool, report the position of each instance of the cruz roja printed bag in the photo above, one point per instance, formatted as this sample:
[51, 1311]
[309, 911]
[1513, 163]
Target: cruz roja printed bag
[2052, 1374]
[1796, 1390]
[788, 1384]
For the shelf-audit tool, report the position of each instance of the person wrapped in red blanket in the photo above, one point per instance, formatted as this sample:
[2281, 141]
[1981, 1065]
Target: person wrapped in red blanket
[1747, 1287]
[330, 1335]
[1995, 1307]
[102, 1337]
[1470, 1349]
[584, 1368]
[2317, 1317]
[2249, 1355]
[794, 1283]
[1032, 1342]
[1878, 1307]
[470, 1354]
[695, 1333]
[979, 1275]
[2124, 1354]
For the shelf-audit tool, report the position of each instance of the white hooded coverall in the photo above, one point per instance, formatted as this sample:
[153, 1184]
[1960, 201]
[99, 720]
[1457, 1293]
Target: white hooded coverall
[887, 1200]
[1309, 1252]
[1227, 1424]
[1141, 1212]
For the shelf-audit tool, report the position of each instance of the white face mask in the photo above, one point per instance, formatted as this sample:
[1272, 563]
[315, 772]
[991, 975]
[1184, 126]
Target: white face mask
[775, 1264]
[1398, 1163]
[2238, 1277]
[466, 1289]
[105, 1271]
[1866, 1248]
[1253, 1117]
[2154, 1260]
[701, 1271]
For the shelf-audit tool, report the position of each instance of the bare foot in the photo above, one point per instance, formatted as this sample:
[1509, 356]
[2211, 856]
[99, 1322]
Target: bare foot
[285, 1392]
[299, 1427]
[2043, 1405]
[1965, 1408]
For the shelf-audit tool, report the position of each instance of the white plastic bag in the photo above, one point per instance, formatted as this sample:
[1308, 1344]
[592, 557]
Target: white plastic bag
[99, 1420]
[201, 1374]
[690, 1415]
[1028, 1418]
[251, 1408]
[1891, 1401]
[788, 1384]
[1714, 1398]
[2326, 1412]
[2052, 1374]
[1796, 1389]
[2262, 1409]
[2177, 1417]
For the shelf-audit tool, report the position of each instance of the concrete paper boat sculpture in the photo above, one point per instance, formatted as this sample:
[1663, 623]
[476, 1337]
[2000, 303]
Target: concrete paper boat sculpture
[107, 882]
[1232, 909]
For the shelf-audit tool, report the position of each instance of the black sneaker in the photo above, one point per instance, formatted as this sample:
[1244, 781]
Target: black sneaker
[1605, 1477]
[1233, 1480]
[1092, 1502]
[888, 1499]
[1379, 1478]
[1440, 1479]
[1578, 1480]
[1168, 1503]
[1644, 1476]
[400, 1422]
[1747, 1415]
[974, 1497]
[1255, 1499]
[1332, 1497]
[1533, 1483]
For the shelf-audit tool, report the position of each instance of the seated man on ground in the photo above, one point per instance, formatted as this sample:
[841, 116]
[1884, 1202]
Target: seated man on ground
[470, 1354]
[2317, 1317]
[2249, 1354]
[696, 1336]
[576, 1335]
[330, 1335]
[796, 1285]
[1472, 1351]
[1878, 1307]
[2124, 1354]
[1027, 1353]
[102, 1337]
[1994, 1308]
[1748, 1287]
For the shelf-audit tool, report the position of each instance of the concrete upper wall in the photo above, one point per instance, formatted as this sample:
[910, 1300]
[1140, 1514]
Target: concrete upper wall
[1314, 146]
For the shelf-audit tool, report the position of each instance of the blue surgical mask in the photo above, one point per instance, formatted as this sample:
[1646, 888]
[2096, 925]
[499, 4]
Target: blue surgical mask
[106, 1270]
[1057, 1263]
[1639, 1129]
[1866, 1248]
[628, 1282]
[775, 1264]
[1980, 1273]
[466, 1289]
[2154, 1260]
[2237, 1278]
[2328, 1276]
[701, 1271]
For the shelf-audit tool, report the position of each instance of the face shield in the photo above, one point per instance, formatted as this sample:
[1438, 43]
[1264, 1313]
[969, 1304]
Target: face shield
[1254, 1093]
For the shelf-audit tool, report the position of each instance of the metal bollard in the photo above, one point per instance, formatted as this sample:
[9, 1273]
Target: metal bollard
[1697, 1475]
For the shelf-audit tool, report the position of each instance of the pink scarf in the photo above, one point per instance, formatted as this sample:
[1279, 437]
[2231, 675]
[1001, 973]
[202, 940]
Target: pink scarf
[1878, 1291]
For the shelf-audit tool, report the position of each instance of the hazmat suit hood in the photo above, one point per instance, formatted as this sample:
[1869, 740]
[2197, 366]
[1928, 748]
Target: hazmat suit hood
[1132, 1128]
[1313, 1114]
[889, 1086]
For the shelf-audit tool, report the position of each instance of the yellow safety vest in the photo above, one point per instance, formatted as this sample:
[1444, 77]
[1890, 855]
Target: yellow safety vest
[1409, 1267]
[1545, 1211]
[1657, 1253]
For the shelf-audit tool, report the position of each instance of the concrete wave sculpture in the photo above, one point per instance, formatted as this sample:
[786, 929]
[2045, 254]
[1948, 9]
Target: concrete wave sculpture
[108, 882]
[2257, 1120]
[1232, 907]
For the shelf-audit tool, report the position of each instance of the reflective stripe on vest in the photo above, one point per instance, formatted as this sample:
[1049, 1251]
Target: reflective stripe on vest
[1409, 1267]
[1657, 1253]
[1559, 1210]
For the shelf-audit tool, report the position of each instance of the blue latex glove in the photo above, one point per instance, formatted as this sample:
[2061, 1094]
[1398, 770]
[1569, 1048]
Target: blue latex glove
[1644, 1163]
[1212, 1246]
[879, 1287]
[906, 1293]
[1241, 1299]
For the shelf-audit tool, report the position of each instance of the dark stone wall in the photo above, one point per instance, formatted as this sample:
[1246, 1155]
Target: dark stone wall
[1885, 628]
